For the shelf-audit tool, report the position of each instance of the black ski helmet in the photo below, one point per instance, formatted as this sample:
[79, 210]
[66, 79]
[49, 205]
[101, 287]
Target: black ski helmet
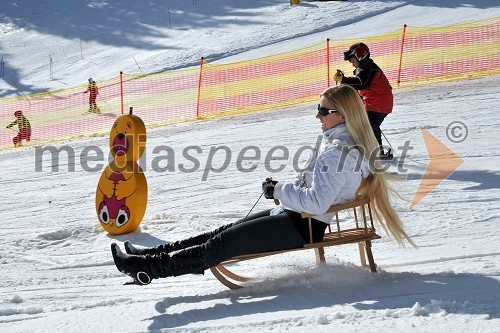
[359, 51]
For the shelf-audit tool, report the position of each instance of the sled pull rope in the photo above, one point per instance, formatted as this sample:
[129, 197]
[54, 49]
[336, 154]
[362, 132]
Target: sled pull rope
[254, 205]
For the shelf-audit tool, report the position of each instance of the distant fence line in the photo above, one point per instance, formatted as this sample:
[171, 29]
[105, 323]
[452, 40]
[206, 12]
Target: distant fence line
[414, 56]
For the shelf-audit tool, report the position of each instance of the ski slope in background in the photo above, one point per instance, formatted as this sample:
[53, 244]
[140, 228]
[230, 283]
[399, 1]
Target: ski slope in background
[57, 270]
[99, 39]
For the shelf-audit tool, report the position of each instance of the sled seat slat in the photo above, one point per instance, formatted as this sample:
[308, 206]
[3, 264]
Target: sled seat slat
[362, 233]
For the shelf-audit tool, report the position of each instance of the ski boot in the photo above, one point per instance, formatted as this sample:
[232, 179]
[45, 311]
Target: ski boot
[388, 156]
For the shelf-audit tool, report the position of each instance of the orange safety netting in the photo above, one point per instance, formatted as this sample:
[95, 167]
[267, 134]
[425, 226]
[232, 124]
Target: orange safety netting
[433, 55]
[61, 114]
[266, 83]
[410, 57]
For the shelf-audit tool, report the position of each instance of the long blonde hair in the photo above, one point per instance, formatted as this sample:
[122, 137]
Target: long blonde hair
[346, 100]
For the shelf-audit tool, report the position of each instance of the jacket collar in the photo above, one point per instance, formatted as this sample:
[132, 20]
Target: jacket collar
[339, 132]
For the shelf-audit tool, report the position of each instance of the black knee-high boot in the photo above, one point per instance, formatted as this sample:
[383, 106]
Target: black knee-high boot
[145, 268]
[167, 247]
[162, 248]
[175, 246]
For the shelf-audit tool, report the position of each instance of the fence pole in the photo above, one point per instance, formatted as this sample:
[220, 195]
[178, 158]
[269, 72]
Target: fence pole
[51, 71]
[199, 88]
[401, 54]
[328, 61]
[121, 90]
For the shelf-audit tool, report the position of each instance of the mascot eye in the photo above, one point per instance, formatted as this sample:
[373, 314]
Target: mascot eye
[104, 214]
[123, 216]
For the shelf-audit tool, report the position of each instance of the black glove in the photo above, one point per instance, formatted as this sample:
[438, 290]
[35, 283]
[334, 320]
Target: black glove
[268, 188]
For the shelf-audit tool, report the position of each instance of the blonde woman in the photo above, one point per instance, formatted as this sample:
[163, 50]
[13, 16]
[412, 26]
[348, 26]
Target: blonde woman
[333, 175]
[350, 106]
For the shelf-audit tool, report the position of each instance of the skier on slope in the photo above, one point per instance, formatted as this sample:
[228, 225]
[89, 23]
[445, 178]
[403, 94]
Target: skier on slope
[373, 87]
[93, 91]
[24, 127]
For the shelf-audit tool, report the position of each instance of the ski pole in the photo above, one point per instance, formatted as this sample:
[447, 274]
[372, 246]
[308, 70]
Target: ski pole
[107, 106]
[387, 140]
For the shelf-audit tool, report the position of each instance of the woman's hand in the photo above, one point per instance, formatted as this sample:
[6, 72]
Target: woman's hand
[268, 188]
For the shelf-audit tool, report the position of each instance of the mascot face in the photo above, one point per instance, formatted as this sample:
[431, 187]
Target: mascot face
[121, 198]
[121, 195]
[114, 211]
[127, 139]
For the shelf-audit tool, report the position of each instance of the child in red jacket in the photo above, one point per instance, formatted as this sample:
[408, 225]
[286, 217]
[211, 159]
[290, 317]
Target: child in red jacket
[373, 87]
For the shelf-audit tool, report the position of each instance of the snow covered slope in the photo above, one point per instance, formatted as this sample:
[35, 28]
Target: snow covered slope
[58, 273]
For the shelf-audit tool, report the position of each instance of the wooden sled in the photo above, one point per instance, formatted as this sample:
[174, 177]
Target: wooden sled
[362, 232]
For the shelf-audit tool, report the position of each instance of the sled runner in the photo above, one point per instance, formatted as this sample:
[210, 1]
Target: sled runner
[362, 232]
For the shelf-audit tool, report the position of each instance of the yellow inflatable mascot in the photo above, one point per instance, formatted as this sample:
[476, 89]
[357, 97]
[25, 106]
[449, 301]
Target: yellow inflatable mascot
[122, 192]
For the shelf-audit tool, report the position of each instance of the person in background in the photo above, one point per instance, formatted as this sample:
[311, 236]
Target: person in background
[93, 92]
[373, 87]
[24, 127]
[347, 141]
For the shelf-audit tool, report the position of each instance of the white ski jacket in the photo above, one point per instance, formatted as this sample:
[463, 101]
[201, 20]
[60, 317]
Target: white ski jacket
[332, 175]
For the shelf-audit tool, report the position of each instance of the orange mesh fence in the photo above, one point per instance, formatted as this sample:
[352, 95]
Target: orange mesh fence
[384, 49]
[266, 83]
[409, 57]
[163, 98]
[433, 55]
[61, 114]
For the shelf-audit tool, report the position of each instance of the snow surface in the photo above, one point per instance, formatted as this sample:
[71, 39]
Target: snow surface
[57, 270]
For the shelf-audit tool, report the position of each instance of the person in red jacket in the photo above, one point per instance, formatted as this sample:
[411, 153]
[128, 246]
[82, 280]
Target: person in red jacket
[373, 87]
[93, 91]
[24, 127]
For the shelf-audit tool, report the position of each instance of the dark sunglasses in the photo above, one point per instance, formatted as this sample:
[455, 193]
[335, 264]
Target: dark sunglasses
[325, 112]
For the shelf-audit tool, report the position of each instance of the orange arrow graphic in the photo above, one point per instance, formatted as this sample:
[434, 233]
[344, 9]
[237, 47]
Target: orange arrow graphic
[443, 161]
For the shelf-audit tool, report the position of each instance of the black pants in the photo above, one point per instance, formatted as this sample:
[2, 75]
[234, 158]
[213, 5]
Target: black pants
[260, 232]
[376, 119]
